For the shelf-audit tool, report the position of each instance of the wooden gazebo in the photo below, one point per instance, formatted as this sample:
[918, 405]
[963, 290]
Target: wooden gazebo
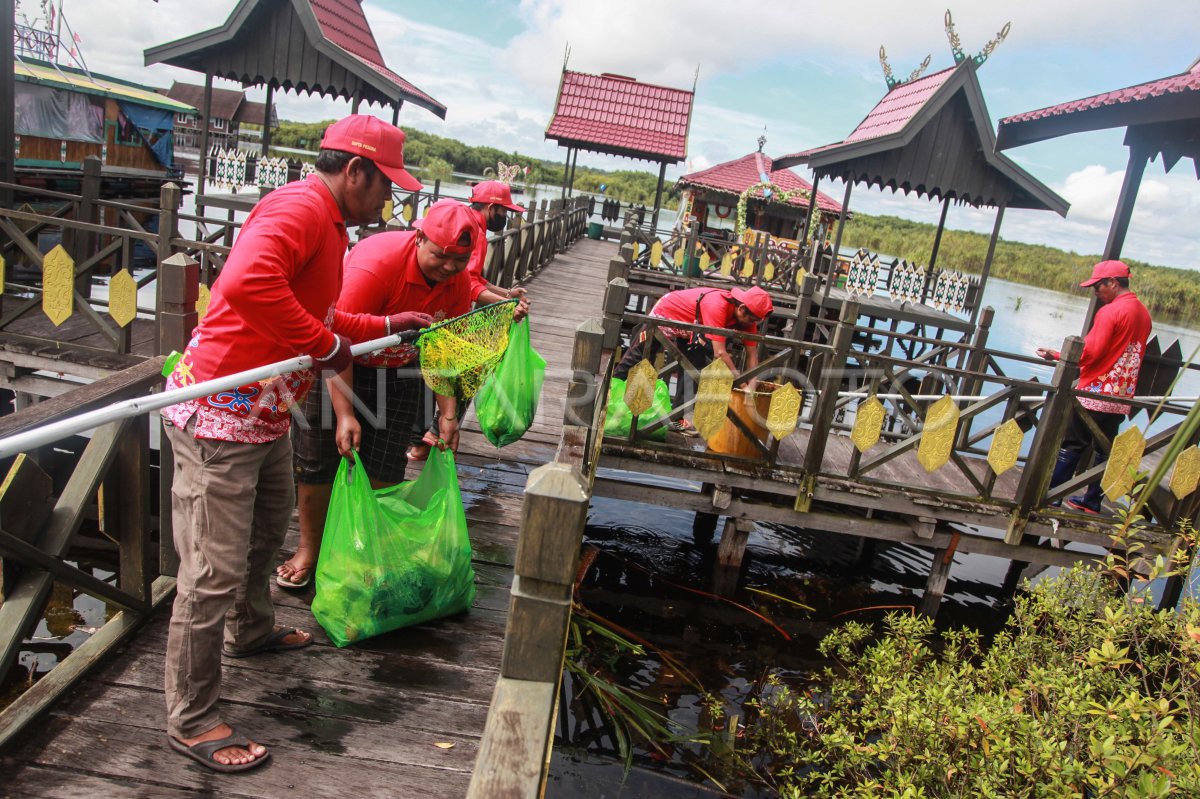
[1160, 117]
[618, 115]
[317, 46]
[712, 195]
[932, 136]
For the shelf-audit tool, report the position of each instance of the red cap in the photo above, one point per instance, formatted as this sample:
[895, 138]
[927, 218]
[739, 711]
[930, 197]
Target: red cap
[1104, 270]
[372, 138]
[493, 192]
[754, 298]
[445, 223]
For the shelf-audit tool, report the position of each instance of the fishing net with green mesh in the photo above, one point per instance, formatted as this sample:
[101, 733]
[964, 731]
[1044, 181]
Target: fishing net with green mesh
[458, 355]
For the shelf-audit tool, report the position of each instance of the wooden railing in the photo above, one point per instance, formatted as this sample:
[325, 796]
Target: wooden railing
[114, 482]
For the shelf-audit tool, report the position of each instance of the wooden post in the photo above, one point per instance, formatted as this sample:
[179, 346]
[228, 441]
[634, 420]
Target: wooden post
[987, 261]
[662, 176]
[83, 244]
[1043, 453]
[7, 103]
[615, 298]
[585, 364]
[730, 551]
[205, 116]
[939, 576]
[552, 521]
[829, 382]
[976, 360]
[127, 509]
[618, 268]
[26, 499]
[168, 229]
[937, 237]
[266, 134]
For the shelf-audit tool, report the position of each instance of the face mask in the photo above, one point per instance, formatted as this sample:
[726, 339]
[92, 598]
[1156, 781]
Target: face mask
[497, 223]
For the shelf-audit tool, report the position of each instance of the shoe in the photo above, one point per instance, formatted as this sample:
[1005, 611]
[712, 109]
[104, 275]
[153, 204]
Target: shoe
[1076, 503]
[203, 752]
[274, 642]
[683, 427]
[284, 582]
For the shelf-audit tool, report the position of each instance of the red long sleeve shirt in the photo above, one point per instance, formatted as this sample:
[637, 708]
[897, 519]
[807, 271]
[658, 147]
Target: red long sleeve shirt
[1112, 353]
[273, 301]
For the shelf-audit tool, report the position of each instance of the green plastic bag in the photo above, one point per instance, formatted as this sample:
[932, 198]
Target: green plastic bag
[507, 403]
[618, 418]
[393, 557]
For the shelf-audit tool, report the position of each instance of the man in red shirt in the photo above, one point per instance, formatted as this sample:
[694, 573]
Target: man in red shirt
[232, 490]
[421, 272]
[730, 309]
[1108, 368]
[490, 202]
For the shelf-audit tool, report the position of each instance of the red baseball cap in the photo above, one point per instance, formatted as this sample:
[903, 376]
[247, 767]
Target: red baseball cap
[755, 299]
[445, 224]
[1105, 270]
[493, 192]
[374, 139]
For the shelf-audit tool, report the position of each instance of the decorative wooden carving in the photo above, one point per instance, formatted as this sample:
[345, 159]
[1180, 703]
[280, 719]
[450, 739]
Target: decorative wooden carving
[784, 410]
[937, 438]
[639, 387]
[58, 285]
[1186, 474]
[868, 424]
[712, 398]
[1006, 447]
[122, 298]
[1123, 461]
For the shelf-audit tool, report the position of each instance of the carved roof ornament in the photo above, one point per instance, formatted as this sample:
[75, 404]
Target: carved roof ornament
[982, 55]
[955, 48]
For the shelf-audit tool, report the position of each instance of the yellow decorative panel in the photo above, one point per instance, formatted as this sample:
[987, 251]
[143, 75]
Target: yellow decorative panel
[768, 271]
[389, 210]
[122, 298]
[868, 423]
[3, 273]
[656, 254]
[704, 261]
[1123, 462]
[407, 212]
[784, 410]
[712, 398]
[58, 285]
[747, 266]
[636, 250]
[639, 387]
[202, 302]
[727, 264]
[1186, 474]
[1006, 447]
[800, 273]
[937, 439]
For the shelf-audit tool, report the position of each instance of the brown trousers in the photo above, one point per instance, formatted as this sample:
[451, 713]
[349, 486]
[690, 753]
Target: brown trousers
[231, 505]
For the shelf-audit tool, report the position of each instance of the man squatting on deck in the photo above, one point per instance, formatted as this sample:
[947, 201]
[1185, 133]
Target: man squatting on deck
[732, 309]
[1109, 366]
[422, 272]
[489, 203]
[233, 490]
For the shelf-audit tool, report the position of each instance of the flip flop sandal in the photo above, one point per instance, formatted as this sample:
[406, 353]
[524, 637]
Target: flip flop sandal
[284, 582]
[203, 752]
[272, 643]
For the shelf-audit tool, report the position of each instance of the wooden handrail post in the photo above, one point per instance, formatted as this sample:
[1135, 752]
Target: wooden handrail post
[127, 509]
[168, 229]
[975, 359]
[585, 364]
[552, 521]
[615, 298]
[1043, 453]
[829, 382]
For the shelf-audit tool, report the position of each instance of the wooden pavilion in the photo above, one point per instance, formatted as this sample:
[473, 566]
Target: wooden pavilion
[315, 46]
[1160, 117]
[932, 136]
[618, 115]
[711, 196]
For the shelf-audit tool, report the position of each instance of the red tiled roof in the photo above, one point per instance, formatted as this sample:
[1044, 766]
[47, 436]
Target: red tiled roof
[612, 113]
[890, 114]
[345, 25]
[734, 177]
[1176, 84]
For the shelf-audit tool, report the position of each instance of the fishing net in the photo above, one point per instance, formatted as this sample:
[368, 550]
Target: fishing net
[458, 355]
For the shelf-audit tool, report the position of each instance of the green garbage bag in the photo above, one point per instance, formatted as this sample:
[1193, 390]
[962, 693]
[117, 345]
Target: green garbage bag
[393, 557]
[507, 403]
[618, 418]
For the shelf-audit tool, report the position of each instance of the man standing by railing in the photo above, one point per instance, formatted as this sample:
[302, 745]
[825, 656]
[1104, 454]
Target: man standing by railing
[232, 490]
[1109, 367]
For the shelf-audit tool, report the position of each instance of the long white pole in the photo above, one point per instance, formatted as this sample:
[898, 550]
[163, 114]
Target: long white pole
[21, 442]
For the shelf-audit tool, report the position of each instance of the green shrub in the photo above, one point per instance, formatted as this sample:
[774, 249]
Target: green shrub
[1086, 692]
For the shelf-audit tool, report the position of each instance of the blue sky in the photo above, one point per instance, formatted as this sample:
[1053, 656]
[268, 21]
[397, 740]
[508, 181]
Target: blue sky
[806, 72]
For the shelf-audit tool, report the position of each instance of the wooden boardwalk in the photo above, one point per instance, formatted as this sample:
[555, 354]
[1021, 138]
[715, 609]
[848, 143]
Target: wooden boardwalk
[372, 720]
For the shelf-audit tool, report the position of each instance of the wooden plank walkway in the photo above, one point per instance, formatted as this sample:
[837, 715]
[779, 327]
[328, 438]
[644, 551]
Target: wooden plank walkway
[362, 721]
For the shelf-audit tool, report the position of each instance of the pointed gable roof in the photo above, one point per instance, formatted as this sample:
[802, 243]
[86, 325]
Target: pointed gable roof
[933, 136]
[1167, 109]
[734, 177]
[321, 46]
[618, 115]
